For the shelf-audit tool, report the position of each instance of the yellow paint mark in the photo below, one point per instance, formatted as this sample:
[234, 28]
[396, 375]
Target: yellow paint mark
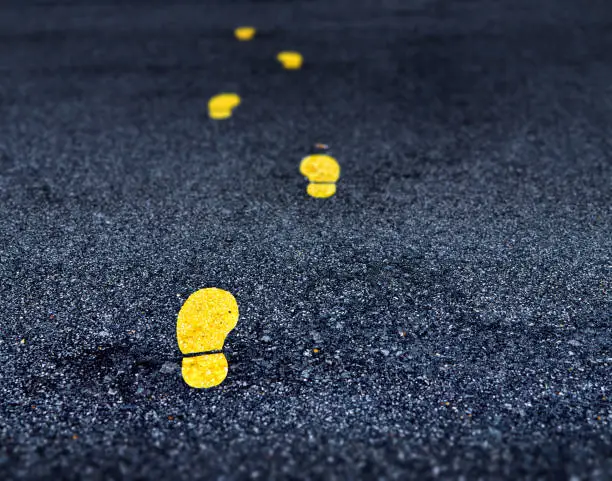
[204, 321]
[323, 171]
[315, 350]
[321, 191]
[244, 34]
[221, 106]
[23, 341]
[290, 60]
[205, 371]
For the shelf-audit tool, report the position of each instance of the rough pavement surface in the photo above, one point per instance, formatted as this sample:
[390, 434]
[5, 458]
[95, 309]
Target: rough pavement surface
[457, 286]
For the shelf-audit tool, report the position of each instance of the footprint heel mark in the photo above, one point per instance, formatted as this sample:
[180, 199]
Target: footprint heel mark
[205, 371]
[323, 171]
[221, 106]
[244, 34]
[290, 60]
[204, 321]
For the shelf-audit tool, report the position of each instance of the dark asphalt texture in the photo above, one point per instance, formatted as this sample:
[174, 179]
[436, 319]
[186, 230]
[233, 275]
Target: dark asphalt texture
[458, 285]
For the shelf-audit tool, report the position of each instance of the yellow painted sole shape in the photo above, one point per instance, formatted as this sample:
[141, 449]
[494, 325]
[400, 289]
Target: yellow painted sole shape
[322, 171]
[290, 60]
[244, 34]
[204, 321]
[221, 106]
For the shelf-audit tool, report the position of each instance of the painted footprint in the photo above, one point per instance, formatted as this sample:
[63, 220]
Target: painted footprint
[204, 321]
[244, 34]
[290, 60]
[323, 171]
[221, 106]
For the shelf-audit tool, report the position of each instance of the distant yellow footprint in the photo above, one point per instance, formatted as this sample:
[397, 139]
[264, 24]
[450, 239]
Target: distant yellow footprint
[323, 171]
[204, 321]
[244, 34]
[290, 60]
[221, 106]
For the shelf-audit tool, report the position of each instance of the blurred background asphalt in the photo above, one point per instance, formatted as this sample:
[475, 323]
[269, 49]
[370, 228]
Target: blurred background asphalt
[457, 286]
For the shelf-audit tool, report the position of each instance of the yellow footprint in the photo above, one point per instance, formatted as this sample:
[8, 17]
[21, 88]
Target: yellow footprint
[221, 106]
[323, 171]
[244, 34]
[290, 60]
[204, 321]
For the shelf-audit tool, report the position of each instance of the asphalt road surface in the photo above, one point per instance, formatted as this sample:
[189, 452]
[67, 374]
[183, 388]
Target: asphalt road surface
[457, 287]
